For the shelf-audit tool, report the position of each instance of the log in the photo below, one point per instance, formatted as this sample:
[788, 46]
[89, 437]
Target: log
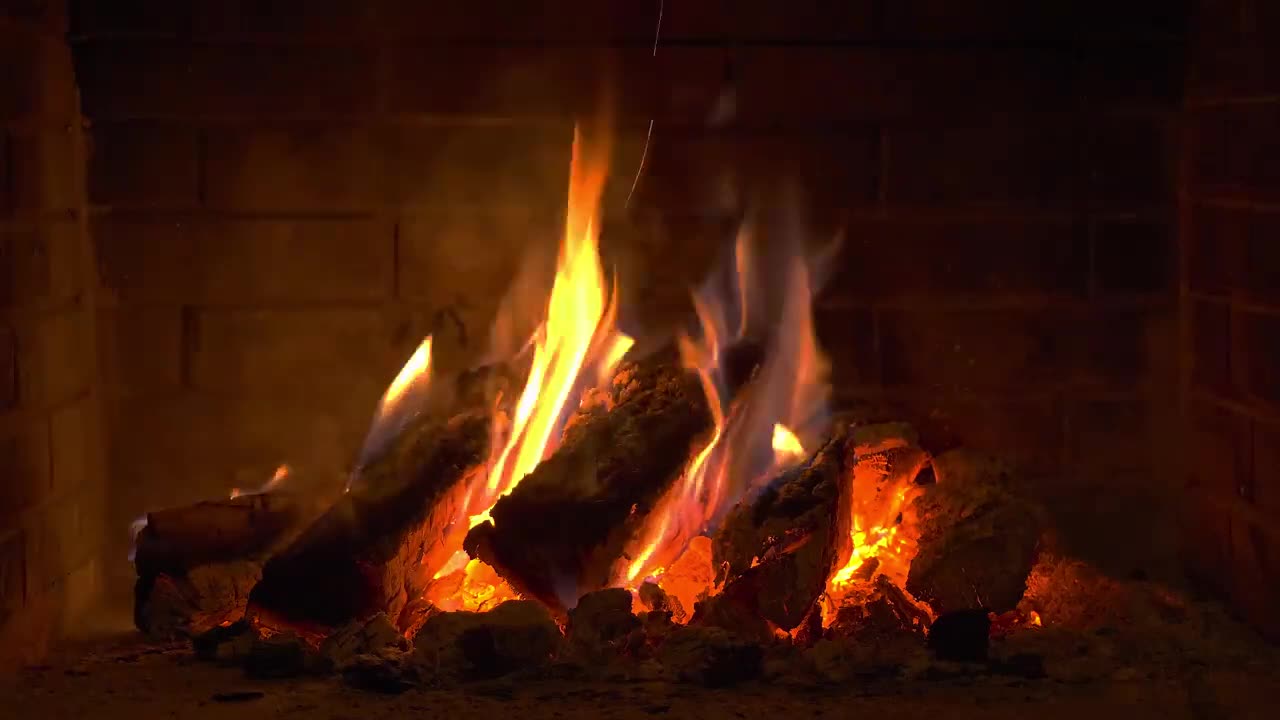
[378, 547]
[196, 564]
[555, 537]
[978, 537]
[195, 601]
[777, 551]
[218, 531]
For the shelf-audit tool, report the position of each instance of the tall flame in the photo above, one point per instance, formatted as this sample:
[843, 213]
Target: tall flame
[761, 430]
[576, 346]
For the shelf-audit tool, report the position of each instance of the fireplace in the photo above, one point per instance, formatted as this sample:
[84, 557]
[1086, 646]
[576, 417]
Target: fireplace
[226, 227]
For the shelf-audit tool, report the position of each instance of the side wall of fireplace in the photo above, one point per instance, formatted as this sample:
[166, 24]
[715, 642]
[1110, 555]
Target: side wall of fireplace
[1230, 200]
[53, 490]
[288, 195]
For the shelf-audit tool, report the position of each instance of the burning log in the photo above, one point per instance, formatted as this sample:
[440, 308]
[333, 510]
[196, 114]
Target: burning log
[557, 534]
[777, 552]
[978, 538]
[782, 552]
[197, 564]
[376, 549]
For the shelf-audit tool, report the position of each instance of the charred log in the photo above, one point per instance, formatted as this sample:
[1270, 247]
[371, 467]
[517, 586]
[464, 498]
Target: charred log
[557, 534]
[978, 538]
[376, 549]
[197, 564]
[778, 551]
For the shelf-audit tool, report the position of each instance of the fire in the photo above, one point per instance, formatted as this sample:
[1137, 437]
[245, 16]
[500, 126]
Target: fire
[576, 346]
[758, 430]
[786, 446]
[277, 479]
[1033, 619]
[414, 373]
[402, 398]
[881, 537]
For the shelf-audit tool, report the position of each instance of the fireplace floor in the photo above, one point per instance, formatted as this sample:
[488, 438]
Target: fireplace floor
[125, 678]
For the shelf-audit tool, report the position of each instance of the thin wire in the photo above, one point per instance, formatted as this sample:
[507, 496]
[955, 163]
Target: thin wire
[657, 33]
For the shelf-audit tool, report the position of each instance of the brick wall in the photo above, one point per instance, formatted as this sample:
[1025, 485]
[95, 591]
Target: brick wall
[1230, 217]
[52, 479]
[287, 194]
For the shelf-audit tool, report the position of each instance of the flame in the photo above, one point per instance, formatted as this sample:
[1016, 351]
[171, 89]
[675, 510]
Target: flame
[402, 398]
[577, 345]
[756, 432]
[277, 479]
[414, 372]
[1033, 619]
[786, 446]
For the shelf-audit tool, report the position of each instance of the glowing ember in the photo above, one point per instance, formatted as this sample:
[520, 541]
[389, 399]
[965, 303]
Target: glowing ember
[1033, 619]
[757, 432]
[577, 345]
[882, 536]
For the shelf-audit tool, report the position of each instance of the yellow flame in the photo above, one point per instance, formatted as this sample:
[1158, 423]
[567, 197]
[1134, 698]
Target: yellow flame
[576, 341]
[415, 371]
[786, 446]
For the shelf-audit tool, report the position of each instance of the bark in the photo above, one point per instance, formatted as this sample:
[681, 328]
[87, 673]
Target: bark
[557, 534]
[376, 549]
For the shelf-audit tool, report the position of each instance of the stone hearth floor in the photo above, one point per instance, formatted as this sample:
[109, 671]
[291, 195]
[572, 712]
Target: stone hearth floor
[127, 679]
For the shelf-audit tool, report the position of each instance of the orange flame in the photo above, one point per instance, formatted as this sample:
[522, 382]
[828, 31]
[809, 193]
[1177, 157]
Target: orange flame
[882, 534]
[277, 479]
[756, 433]
[576, 345]
[414, 373]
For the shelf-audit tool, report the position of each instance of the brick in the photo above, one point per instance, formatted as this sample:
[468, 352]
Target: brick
[43, 171]
[979, 21]
[1219, 450]
[906, 257]
[679, 84]
[1117, 435]
[1032, 165]
[306, 169]
[93, 17]
[140, 347]
[1254, 571]
[73, 438]
[9, 390]
[297, 352]
[687, 172]
[144, 164]
[973, 350]
[1025, 431]
[214, 443]
[1131, 163]
[1237, 148]
[849, 339]
[824, 87]
[53, 357]
[1235, 71]
[1210, 346]
[558, 22]
[1266, 466]
[639, 247]
[1260, 258]
[1256, 355]
[1134, 257]
[476, 166]
[13, 571]
[812, 22]
[471, 258]
[1216, 248]
[43, 262]
[24, 464]
[65, 535]
[302, 18]
[197, 259]
[48, 12]
[36, 77]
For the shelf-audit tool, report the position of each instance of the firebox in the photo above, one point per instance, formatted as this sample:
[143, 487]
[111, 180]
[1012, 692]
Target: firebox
[718, 342]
